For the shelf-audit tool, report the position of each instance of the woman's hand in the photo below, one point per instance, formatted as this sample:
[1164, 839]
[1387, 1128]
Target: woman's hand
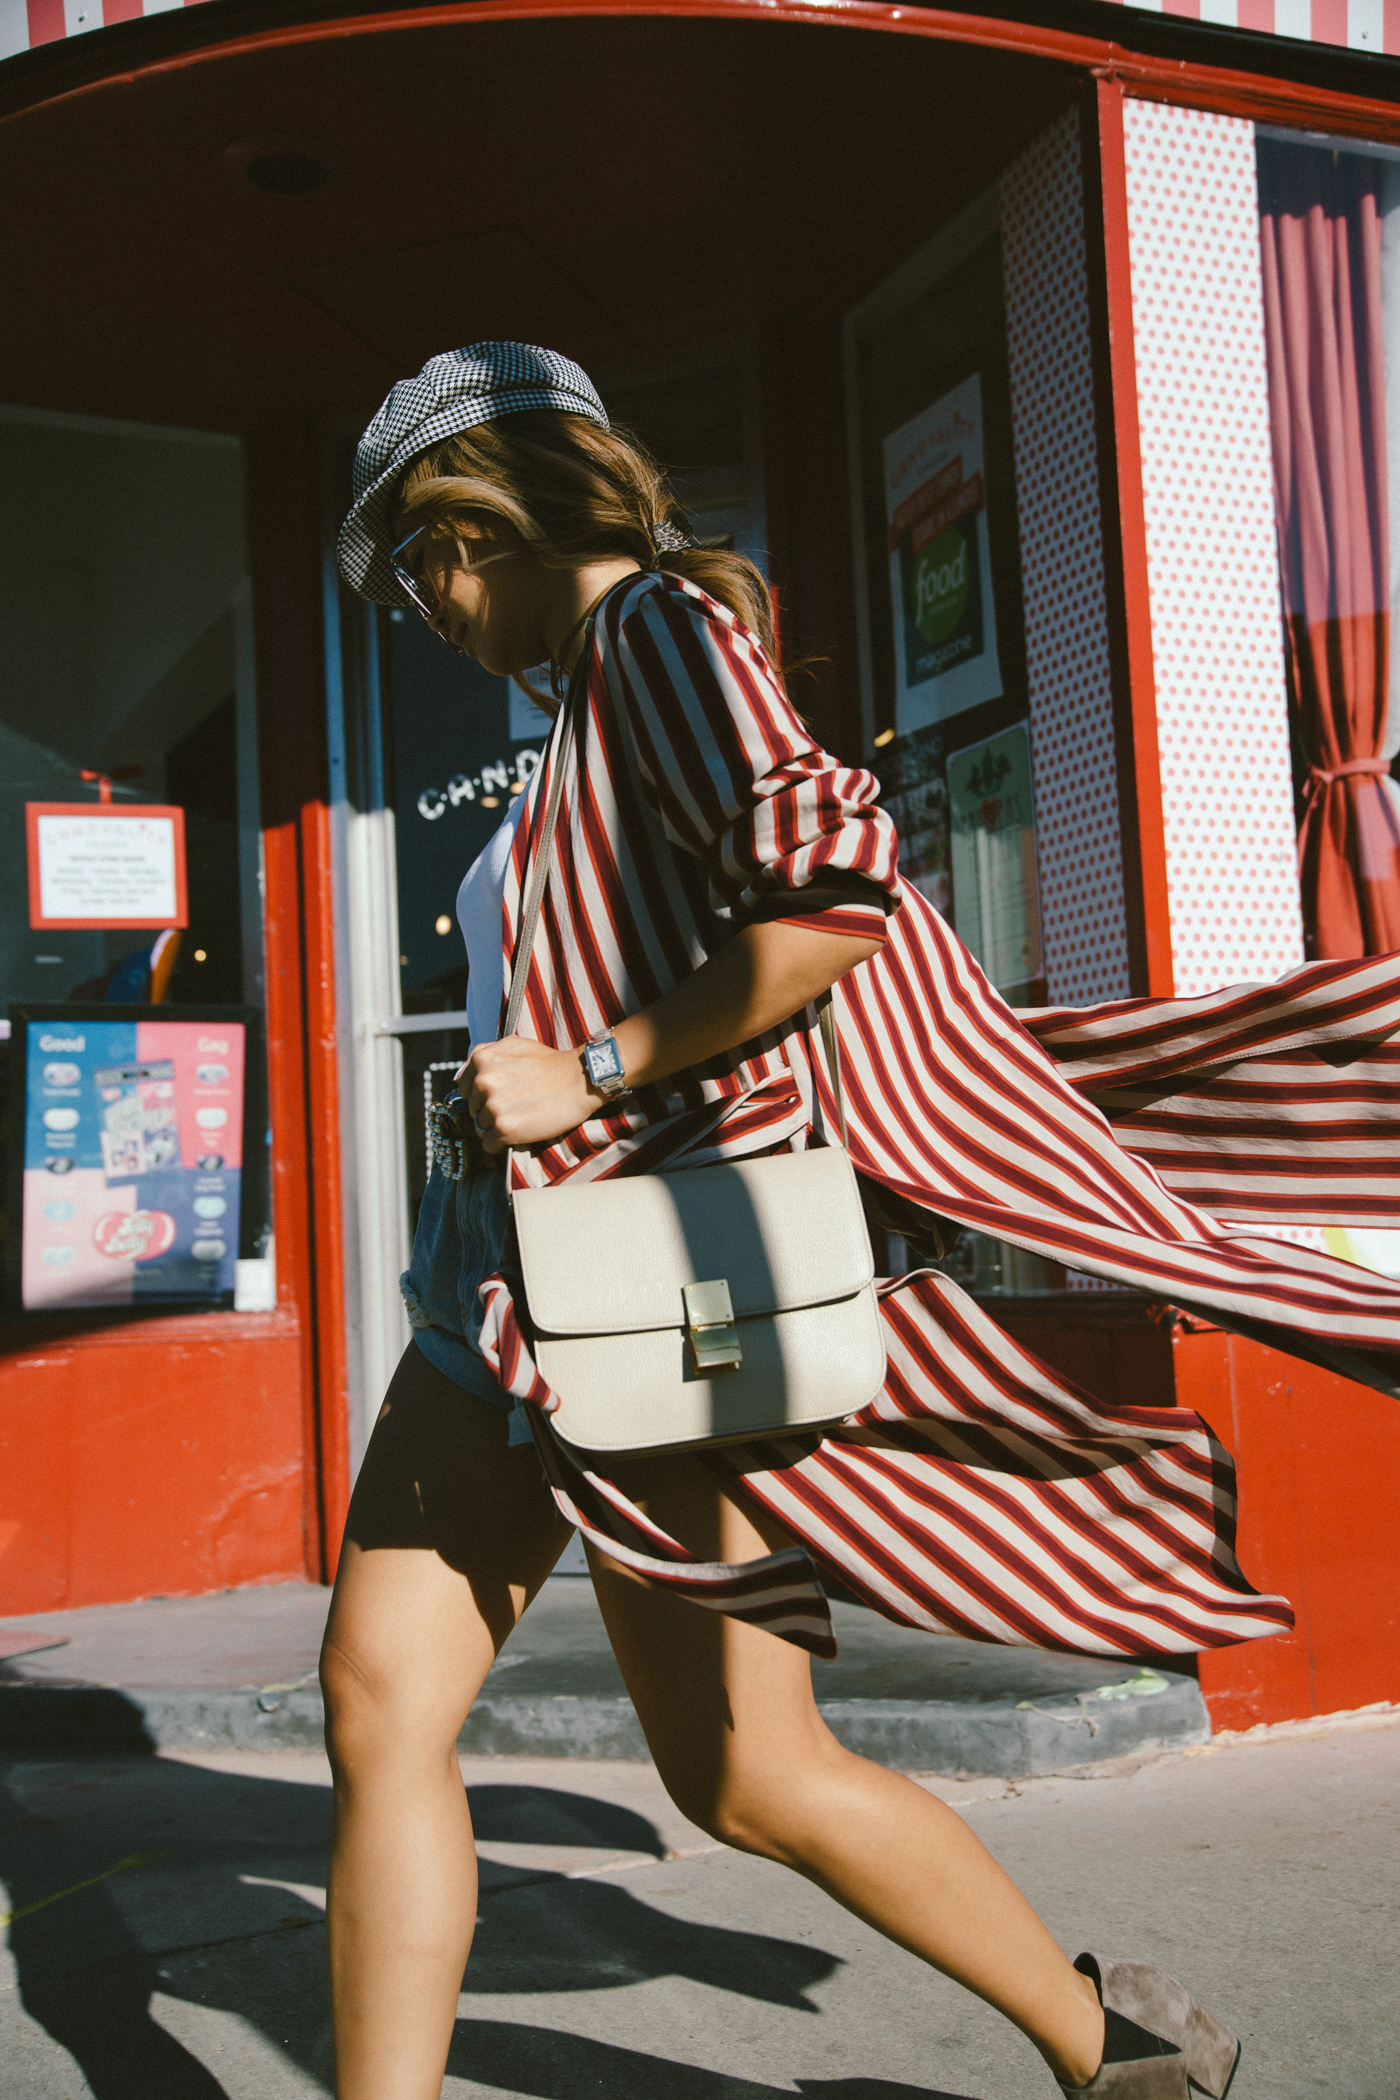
[522, 1093]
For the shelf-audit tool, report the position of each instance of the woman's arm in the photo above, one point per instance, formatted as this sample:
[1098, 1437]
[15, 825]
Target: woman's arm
[523, 1093]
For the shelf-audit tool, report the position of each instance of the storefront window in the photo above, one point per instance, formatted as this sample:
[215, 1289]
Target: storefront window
[128, 694]
[1330, 254]
[700, 419]
[939, 592]
[938, 584]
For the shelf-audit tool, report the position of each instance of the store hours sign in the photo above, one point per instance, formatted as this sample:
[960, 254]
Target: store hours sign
[107, 865]
[945, 632]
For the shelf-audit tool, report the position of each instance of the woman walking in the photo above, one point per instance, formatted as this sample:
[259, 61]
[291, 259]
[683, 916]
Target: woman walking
[711, 874]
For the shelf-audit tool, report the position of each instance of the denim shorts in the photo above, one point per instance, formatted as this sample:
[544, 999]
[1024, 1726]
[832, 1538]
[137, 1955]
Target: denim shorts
[462, 1237]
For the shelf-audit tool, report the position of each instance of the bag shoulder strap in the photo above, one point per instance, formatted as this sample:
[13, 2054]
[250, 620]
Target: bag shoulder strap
[831, 1043]
[539, 870]
[539, 882]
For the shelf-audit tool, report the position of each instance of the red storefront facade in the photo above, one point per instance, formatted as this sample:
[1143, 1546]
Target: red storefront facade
[243, 223]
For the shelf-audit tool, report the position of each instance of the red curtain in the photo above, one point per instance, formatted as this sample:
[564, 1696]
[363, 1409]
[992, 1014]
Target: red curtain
[1320, 235]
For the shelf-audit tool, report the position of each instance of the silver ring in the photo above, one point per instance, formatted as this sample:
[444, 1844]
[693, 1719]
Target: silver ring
[476, 1126]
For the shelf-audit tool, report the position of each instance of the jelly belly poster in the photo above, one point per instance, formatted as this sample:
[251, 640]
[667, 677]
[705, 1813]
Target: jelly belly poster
[132, 1162]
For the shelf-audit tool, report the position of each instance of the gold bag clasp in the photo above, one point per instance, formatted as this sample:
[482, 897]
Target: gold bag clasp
[709, 1319]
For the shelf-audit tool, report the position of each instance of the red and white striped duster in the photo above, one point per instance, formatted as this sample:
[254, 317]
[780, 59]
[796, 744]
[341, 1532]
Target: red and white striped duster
[981, 1493]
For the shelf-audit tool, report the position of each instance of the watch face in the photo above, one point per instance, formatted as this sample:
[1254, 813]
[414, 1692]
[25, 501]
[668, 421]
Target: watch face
[603, 1061]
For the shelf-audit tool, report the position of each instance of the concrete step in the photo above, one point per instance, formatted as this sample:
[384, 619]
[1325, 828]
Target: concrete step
[237, 1670]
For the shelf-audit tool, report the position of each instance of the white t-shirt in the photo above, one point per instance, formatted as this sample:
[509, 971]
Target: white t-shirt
[479, 903]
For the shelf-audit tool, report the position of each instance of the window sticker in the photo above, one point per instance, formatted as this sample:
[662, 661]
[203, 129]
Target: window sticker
[996, 893]
[124, 1200]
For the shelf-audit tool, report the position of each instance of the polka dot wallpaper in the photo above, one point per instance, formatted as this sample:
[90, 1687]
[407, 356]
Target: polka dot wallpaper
[1198, 334]
[1057, 493]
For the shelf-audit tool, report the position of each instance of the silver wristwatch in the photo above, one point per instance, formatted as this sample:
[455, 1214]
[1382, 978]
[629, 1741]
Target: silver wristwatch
[602, 1061]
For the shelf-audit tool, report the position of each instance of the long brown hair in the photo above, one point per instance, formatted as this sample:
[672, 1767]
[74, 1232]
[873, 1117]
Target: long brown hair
[567, 491]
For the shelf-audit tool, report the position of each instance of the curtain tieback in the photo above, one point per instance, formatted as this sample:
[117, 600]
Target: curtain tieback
[1320, 777]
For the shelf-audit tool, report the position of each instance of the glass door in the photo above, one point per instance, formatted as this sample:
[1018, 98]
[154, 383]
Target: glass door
[462, 745]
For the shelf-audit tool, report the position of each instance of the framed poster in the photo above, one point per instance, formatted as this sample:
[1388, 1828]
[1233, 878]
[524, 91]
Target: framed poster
[945, 629]
[996, 890]
[126, 1149]
[106, 864]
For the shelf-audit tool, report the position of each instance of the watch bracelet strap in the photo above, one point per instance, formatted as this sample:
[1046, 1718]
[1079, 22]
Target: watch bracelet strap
[539, 881]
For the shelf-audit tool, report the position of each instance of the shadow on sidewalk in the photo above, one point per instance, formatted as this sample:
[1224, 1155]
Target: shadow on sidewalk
[536, 1815]
[212, 1907]
[550, 2065]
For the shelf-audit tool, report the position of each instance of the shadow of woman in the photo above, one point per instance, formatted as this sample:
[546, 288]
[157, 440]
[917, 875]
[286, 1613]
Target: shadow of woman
[141, 1878]
[553, 1933]
[84, 1973]
[548, 2065]
[215, 1905]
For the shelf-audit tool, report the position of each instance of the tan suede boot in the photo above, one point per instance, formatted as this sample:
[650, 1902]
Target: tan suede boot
[1137, 2065]
[1142, 2002]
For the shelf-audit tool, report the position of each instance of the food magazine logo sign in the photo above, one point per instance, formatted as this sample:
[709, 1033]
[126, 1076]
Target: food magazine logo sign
[945, 637]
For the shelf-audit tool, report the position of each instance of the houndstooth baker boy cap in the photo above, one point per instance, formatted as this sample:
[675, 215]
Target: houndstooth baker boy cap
[452, 392]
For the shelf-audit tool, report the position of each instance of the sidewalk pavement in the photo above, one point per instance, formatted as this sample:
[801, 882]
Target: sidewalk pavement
[238, 1671]
[167, 1934]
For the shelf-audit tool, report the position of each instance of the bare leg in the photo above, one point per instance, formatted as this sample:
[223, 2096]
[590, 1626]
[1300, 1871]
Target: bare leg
[450, 1535]
[730, 1718]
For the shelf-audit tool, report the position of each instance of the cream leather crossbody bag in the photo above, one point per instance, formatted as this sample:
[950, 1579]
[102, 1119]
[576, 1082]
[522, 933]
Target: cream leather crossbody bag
[713, 1305]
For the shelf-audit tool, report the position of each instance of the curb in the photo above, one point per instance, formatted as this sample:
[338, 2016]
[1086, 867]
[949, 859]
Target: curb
[993, 1740]
[1024, 1741]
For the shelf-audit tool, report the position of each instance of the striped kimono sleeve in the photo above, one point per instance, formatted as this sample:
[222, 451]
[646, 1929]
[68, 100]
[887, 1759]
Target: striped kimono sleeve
[1262, 1103]
[952, 1104]
[734, 776]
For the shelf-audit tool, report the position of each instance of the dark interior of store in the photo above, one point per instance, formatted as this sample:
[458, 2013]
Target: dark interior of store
[626, 191]
[260, 240]
[315, 219]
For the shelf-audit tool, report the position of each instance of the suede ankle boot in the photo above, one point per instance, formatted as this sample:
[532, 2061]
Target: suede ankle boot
[1158, 2042]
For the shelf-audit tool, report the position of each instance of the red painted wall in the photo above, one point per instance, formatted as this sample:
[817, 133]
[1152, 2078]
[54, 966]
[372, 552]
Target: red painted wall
[164, 1456]
[193, 1452]
[1319, 1483]
[303, 1082]
[1318, 1468]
